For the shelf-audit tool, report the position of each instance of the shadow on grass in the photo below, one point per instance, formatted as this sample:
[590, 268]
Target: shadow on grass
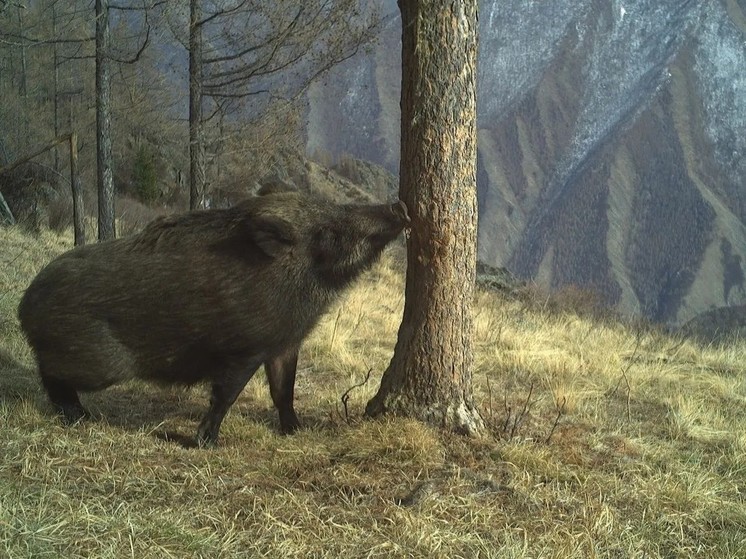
[316, 419]
[19, 382]
[131, 407]
[170, 414]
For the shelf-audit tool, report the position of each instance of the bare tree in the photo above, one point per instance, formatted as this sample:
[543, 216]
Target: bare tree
[254, 61]
[70, 29]
[197, 162]
[105, 174]
[430, 374]
[43, 30]
[246, 55]
[53, 36]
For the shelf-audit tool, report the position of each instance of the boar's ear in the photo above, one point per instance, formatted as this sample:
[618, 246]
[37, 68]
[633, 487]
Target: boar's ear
[272, 235]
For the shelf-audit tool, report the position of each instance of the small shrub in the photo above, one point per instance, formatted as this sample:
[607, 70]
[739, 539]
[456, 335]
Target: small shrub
[577, 300]
[132, 216]
[60, 213]
[569, 299]
[145, 175]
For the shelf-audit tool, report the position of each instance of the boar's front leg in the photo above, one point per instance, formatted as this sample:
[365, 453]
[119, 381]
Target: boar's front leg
[281, 370]
[64, 397]
[225, 390]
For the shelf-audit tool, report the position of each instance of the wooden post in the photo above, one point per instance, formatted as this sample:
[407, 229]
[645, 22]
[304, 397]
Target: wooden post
[78, 223]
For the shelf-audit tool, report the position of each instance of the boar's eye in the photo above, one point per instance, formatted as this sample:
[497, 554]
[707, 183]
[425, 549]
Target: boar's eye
[332, 247]
[326, 245]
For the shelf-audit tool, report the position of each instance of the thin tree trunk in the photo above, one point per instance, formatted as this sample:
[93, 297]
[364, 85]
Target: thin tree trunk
[77, 190]
[56, 85]
[23, 86]
[197, 165]
[105, 178]
[430, 374]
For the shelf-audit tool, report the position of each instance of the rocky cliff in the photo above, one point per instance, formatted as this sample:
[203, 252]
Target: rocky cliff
[612, 144]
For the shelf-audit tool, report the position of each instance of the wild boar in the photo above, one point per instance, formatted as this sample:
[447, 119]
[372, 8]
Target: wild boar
[207, 296]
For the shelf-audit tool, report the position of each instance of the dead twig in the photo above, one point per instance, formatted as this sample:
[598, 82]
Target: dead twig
[560, 413]
[489, 394]
[520, 417]
[346, 396]
[508, 411]
[625, 378]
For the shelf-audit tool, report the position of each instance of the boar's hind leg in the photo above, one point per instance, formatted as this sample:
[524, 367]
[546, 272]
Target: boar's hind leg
[225, 390]
[65, 399]
[281, 377]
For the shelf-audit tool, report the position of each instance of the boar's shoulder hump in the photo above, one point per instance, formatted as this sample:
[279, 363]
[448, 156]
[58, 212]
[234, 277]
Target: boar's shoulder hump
[268, 223]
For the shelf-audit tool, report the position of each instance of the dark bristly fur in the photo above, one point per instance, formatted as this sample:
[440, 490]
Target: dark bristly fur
[207, 296]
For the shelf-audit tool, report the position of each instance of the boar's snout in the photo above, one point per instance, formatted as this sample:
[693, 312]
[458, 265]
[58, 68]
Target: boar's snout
[400, 211]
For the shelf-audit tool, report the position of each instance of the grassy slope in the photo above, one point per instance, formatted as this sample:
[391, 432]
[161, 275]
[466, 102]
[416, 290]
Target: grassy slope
[647, 459]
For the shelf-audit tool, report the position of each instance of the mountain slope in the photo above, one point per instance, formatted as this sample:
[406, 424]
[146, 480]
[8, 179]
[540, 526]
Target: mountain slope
[611, 145]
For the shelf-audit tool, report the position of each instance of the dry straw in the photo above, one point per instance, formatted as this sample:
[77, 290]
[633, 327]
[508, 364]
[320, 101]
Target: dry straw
[606, 441]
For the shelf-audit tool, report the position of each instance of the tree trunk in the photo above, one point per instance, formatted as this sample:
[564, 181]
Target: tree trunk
[430, 374]
[77, 191]
[105, 178]
[23, 86]
[56, 85]
[197, 163]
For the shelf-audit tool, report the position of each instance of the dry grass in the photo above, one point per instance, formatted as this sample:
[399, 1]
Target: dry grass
[607, 441]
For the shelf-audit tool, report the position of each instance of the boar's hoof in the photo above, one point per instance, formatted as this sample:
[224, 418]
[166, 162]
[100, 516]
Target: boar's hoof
[73, 414]
[206, 437]
[206, 441]
[289, 423]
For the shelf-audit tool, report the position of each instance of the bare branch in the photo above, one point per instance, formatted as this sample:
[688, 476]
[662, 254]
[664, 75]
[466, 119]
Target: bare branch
[49, 145]
[346, 396]
[519, 418]
[251, 48]
[560, 413]
[136, 8]
[221, 13]
[142, 48]
[33, 41]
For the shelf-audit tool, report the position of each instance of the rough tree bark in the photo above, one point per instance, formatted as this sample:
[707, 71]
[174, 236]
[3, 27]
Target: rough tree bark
[197, 157]
[430, 374]
[105, 176]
